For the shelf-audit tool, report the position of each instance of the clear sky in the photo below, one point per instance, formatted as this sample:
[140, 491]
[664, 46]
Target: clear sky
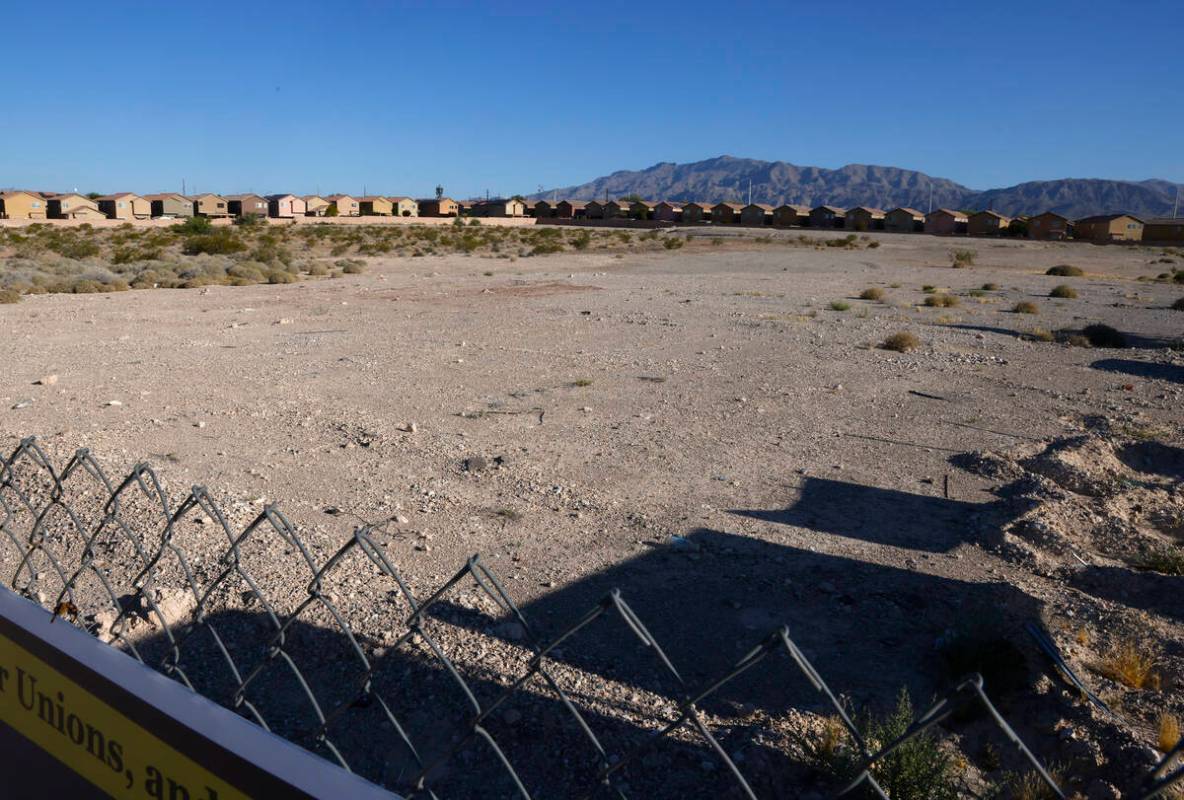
[338, 95]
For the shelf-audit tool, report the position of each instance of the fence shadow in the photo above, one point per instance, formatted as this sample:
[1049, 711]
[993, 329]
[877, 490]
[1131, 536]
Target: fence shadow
[1173, 373]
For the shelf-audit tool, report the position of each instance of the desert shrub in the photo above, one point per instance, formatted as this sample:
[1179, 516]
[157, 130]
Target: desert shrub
[1168, 732]
[248, 272]
[872, 293]
[281, 276]
[872, 245]
[1041, 335]
[76, 248]
[318, 269]
[546, 248]
[1130, 663]
[220, 242]
[1104, 336]
[1063, 291]
[901, 342]
[1065, 271]
[963, 258]
[9, 296]
[673, 242]
[1169, 561]
[927, 289]
[1025, 307]
[941, 301]
[351, 266]
[839, 305]
[582, 241]
[248, 221]
[193, 226]
[1178, 305]
[990, 287]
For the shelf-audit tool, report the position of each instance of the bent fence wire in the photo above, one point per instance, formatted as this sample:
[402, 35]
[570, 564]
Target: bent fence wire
[109, 557]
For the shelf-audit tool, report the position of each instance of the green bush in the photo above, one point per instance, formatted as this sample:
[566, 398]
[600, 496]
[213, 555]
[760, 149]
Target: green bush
[582, 241]
[941, 301]
[194, 226]
[546, 248]
[839, 305]
[1025, 308]
[673, 242]
[76, 248]
[220, 242]
[1064, 292]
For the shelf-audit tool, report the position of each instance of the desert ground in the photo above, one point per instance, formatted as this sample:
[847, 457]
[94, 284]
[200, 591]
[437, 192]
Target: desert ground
[715, 431]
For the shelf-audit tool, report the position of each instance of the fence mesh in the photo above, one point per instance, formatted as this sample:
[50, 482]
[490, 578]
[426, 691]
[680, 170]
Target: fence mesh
[188, 589]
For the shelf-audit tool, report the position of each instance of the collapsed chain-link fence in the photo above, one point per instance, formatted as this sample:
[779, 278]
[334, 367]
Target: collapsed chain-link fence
[306, 660]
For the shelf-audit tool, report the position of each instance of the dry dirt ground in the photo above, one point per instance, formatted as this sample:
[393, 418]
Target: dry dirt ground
[701, 430]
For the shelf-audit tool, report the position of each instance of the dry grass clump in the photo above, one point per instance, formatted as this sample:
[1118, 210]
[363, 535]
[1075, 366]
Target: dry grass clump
[963, 258]
[1104, 336]
[1169, 561]
[1065, 271]
[1130, 663]
[1041, 335]
[839, 305]
[1025, 308]
[941, 301]
[9, 296]
[901, 342]
[872, 293]
[1168, 734]
[990, 287]
[1064, 291]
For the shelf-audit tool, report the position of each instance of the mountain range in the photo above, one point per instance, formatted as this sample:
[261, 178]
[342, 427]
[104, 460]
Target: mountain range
[728, 178]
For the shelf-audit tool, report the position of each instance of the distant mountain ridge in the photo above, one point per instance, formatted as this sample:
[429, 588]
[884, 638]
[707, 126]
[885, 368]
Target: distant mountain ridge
[727, 178]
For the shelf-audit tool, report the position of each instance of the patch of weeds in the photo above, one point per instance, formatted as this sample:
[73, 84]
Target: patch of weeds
[941, 301]
[872, 293]
[508, 514]
[546, 248]
[1104, 336]
[872, 245]
[716, 241]
[1040, 335]
[219, 242]
[194, 226]
[990, 287]
[673, 242]
[894, 286]
[351, 266]
[963, 258]
[1064, 292]
[976, 293]
[1169, 561]
[9, 296]
[927, 289]
[839, 305]
[1168, 732]
[901, 342]
[1028, 786]
[1130, 663]
[488, 274]
[1025, 307]
[582, 382]
[1065, 271]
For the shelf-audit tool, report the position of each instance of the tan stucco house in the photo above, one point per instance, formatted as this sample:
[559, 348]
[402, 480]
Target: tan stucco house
[210, 205]
[376, 206]
[72, 206]
[169, 205]
[315, 205]
[125, 205]
[696, 212]
[1109, 228]
[344, 205]
[1050, 226]
[726, 213]
[865, 218]
[827, 217]
[285, 206]
[904, 220]
[667, 211]
[571, 209]
[439, 207]
[404, 206]
[1166, 230]
[22, 205]
[946, 222]
[987, 223]
[498, 208]
[246, 205]
[788, 214]
[756, 214]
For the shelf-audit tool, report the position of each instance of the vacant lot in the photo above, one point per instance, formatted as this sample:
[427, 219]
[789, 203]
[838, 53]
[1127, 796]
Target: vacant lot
[713, 428]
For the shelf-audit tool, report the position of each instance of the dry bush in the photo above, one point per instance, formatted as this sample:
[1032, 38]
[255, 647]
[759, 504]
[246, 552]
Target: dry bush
[1130, 663]
[963, 258]
[1025, 307]
[1063, 291]
[941, 301]
[1041, 335]
[1178, 305]
[990, 287]
[1168, 733]
[1065, 271]
[872, 293]
[901, 342]
[9, 296]
[839, 305]
[1104, 336]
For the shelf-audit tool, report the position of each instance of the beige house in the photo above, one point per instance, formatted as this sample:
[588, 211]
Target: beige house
[865, 218]
[756, 215]
[904, 220]
[499, 208]
[72, 206]
[641, 209]
[1109, 228]
[210, 205]
[945, 222]
[1167, 230]
[343, 205]
[571, 209]
[315, 205]
[376, 206]
[616, 209]
[125, 205]
[1049, 226]
[404, 206]
[169, 205]
[696, 212]
[246, 205]
[667, 211]
[987, 223]
[439, 207]
[788, 215]
[726, 213]
[827, 217]
[594, 209]
[286, 206]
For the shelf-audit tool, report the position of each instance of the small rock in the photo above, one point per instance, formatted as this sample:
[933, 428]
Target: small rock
[475, 464]
[199, 424]
[401, 520]
[283, 321]
[410, 427]
[114, 403]
[22, 404]
[48, 380]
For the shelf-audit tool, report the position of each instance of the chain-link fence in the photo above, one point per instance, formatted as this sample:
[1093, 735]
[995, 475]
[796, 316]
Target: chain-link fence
[331, 647]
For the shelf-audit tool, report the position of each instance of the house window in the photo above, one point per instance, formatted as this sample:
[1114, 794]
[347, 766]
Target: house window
[121, 204]
[36, 204]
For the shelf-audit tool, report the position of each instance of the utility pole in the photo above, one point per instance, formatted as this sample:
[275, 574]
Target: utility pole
[931, 198]
[750, 191]
[1176, 204]
[182, 187]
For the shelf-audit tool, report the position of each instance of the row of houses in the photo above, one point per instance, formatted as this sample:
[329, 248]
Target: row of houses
[130, 206]
[942, 221]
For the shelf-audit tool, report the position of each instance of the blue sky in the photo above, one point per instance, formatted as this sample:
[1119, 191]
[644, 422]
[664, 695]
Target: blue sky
[337, 95]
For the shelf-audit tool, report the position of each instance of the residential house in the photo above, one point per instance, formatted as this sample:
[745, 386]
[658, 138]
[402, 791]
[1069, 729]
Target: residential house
[571, 209]
[696, 212]
[342, 205]
[376, 206]
[499, 208]
[827, 217]
[285, 206]
[904, 220]
[616, 209]
[1166, 230]
[641, 209]
[756, 215]
[667, 211]
[987, 223]
[404, 206]
[726, 213]
[1049, 226]
[945, 222]
[1109, 228]
[594, 209]
[72, 206]
[439, 207]
[315, 205]
[169, 205]
[865, 218]
[788, 215]
[246, 205]
[22, 205]
[124, 205]
[541, 209]
[210, 205]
